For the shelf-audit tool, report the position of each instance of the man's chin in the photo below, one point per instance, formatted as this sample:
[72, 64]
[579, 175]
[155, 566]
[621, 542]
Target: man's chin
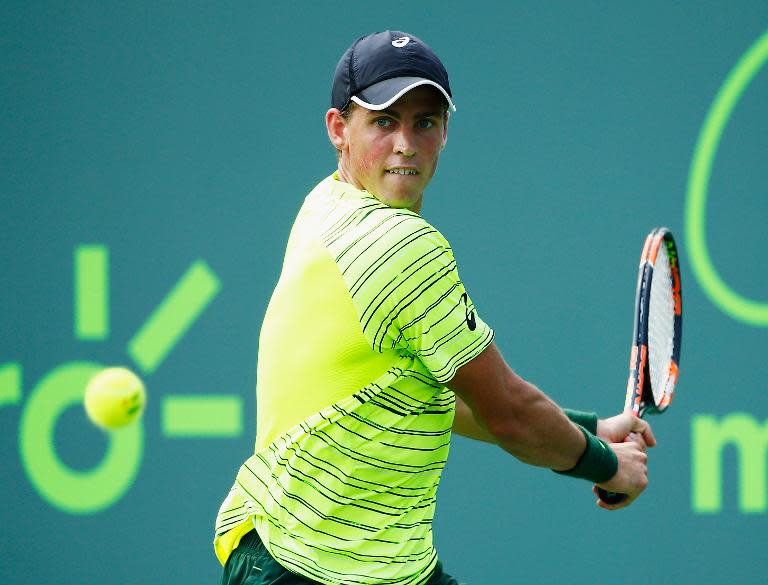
[399, 200]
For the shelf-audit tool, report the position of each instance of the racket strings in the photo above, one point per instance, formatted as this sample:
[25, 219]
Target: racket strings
[661, 324]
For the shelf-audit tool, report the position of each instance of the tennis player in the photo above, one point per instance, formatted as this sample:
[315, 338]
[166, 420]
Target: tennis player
[372, 352]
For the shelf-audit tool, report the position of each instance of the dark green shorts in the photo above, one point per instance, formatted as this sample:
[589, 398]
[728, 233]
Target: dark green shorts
[251, 564]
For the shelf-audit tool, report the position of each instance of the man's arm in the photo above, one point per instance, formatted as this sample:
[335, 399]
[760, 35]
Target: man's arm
[613, 430]
[521, 419]
[465, 424]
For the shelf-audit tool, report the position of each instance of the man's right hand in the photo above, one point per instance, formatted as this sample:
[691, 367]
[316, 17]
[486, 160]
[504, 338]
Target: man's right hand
[631, 478]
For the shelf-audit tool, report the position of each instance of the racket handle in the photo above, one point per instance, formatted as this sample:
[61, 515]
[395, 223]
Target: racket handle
[611, 498]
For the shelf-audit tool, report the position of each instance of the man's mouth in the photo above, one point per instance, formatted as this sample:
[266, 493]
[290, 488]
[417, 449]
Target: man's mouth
[401, 171]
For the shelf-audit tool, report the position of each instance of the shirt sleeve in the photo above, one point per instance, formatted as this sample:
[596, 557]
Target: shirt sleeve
[416, 303]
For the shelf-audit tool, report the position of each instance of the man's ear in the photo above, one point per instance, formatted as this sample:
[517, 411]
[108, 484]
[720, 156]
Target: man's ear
[446, 117]
[336, 125]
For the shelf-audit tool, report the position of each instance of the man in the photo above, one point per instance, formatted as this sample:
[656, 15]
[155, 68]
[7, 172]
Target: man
[372, 351]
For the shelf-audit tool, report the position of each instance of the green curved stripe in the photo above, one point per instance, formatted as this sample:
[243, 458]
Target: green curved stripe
[74, 491]
[732, 303]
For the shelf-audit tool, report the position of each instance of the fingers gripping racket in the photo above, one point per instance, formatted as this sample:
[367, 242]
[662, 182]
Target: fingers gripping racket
[658, 327]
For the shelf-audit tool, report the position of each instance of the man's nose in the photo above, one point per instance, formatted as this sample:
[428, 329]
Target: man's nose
[404, 142]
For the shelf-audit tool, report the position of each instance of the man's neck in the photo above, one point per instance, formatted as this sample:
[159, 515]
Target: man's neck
[347, 178]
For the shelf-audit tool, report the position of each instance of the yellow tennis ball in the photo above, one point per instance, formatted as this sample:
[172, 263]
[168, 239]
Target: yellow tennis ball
[114, 398]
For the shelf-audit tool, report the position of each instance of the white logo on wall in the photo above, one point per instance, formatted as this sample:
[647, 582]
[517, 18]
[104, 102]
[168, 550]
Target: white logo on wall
[401, 42]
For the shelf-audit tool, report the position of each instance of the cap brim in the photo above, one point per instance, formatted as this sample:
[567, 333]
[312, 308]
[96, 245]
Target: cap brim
[380, 96]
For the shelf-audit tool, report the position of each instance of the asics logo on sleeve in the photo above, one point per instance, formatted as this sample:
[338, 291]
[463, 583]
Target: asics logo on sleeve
[471, 323]
[401, 42]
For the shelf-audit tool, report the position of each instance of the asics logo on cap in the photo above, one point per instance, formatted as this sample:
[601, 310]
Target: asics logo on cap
[401, 42]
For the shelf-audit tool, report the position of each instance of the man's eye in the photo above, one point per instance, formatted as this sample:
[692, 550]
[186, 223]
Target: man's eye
[383, 122]
[425, 124]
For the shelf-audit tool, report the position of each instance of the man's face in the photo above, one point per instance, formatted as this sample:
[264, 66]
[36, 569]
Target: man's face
[393, 153]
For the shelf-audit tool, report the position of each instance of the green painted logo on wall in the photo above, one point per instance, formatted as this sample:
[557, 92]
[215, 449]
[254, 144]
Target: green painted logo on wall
[197, 415]
[721, 294]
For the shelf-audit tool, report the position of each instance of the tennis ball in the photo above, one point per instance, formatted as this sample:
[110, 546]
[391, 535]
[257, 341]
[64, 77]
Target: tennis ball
[114, 398]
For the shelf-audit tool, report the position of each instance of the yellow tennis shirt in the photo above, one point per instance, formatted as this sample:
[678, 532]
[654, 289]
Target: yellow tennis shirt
[368, 321]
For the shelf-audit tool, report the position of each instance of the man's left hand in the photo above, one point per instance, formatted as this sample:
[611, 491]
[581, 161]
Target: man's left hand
[625, 427]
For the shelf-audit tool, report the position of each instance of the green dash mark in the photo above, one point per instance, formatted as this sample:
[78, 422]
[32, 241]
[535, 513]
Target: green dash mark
[202, 415]
[91, 292]
[10, 384]
[173, 317]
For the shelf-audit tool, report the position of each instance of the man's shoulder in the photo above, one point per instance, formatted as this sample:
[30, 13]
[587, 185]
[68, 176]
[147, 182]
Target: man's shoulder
[353, 217]
[400, 222]
[398, 230]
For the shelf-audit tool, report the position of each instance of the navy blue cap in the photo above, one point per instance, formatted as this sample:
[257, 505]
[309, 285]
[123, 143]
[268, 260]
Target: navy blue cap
[379, 68]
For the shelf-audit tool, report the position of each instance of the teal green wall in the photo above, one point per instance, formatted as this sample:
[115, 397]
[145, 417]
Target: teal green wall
[158, 154]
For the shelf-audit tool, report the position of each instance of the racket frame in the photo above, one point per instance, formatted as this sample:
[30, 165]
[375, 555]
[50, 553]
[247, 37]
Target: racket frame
[640, 395]
[640, 398]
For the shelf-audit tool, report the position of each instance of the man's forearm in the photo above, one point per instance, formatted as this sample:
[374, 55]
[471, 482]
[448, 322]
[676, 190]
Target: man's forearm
[520, 418]
[517, 415]
[537, 431]
[466, 425]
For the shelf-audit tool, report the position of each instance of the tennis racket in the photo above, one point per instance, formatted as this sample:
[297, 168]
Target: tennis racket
[655, 355]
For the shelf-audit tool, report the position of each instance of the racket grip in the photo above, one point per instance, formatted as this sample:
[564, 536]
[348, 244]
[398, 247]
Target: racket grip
[611, 498]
